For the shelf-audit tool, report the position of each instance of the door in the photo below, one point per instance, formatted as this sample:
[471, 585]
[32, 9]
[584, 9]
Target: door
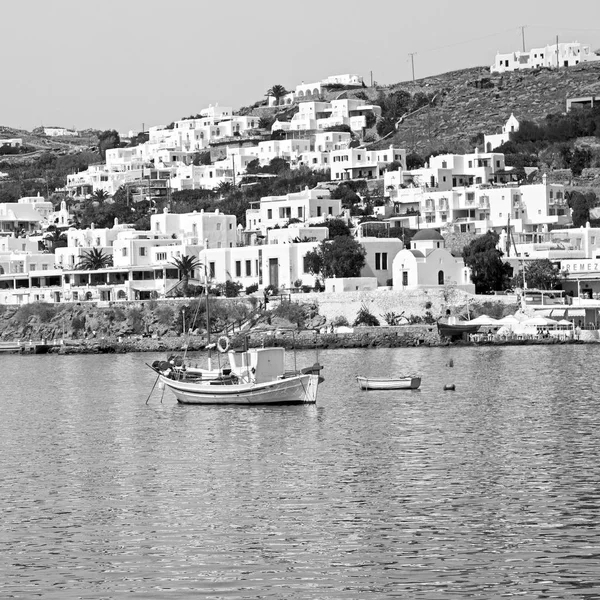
[273, 272]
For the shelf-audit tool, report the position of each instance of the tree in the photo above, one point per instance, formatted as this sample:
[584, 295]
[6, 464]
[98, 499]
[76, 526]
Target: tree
[580, 205]
[414, 161]
[100, 195]
[54, 238]
[201, 158]
[186, 266]
[341, 257]
[278, 92]
[539, 274]
[337, 227]
[95, 259]
[106, 140]
[488, 271]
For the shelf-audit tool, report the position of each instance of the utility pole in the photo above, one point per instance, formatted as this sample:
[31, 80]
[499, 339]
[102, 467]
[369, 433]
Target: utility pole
[412, 61]
[523, 35]
[371, 78]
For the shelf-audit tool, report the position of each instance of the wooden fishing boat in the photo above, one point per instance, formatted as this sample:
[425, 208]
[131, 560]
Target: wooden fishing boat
[257, 376]
[381, 383]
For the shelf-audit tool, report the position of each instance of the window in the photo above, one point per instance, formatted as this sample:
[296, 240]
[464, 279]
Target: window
[269, 213]
[142, 250]
[404, 277]
[238, 268]
[441, 278]
[470, 164]
[230, 226]
[318, 211]
[305, 264]
[211, 270]
[124, 252]
[161, 256]
[299, 212]
[330, 210]
[218, 226]
[33, 267]
[248, 268]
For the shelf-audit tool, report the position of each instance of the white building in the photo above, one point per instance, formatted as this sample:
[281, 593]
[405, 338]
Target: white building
[566, 54]
[491, 142]
[427, 264]
[310, 91]
[321, 115]
[59, 131]
[11, 143]
[360, 163]
[306, 206]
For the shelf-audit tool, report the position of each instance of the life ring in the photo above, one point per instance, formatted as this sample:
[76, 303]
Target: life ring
[223, 344]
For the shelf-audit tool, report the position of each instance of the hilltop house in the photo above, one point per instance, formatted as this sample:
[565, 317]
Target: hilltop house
[566, 54]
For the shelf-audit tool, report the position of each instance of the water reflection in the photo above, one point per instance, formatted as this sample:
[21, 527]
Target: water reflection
[488, 491]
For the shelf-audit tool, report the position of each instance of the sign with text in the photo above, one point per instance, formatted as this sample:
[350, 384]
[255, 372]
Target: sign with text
[581, 265]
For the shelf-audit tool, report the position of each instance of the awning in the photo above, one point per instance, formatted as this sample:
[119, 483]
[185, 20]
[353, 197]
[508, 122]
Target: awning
[544, 312]
[558, 312]
[577, 312]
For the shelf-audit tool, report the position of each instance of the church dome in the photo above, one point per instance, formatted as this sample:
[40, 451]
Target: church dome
[427, 235]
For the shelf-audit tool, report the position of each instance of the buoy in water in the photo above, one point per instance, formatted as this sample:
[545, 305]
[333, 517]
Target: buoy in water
[449, 387]
[451, 363]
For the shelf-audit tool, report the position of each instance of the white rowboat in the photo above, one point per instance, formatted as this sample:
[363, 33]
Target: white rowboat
[400, 383]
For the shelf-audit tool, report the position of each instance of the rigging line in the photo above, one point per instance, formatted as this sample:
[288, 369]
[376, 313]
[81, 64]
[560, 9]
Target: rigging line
[553, 28]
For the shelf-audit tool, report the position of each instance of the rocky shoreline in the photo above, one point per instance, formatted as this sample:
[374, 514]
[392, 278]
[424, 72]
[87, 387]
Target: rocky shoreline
[410, 336]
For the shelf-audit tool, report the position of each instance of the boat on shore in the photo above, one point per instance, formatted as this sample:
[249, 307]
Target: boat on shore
[256, 376]
[382, 383]
[457, 329]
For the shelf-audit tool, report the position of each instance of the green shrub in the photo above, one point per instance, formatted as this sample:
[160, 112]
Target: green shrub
[272, 290]
[292, 312]
[340, 321]
[135, 320]
[252, 288]
[364, 317]
[393, 319]
[164, 315]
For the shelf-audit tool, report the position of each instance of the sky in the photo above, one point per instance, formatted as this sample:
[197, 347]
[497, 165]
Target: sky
[132, 64]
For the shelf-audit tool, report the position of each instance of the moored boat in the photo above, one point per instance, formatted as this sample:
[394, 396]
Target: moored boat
[381, 383]
[257, 376]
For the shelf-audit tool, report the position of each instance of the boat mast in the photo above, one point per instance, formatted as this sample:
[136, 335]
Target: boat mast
[207, 307]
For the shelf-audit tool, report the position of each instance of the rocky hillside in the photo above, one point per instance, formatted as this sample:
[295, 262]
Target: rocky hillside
[473, 101]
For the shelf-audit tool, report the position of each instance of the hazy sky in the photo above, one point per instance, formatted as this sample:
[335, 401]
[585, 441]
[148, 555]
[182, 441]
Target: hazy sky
[123, 63]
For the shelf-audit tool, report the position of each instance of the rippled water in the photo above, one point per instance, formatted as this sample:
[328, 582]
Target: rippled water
[486, 492]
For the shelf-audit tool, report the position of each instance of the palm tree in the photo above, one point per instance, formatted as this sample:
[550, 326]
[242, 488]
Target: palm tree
[95, 259]
[186, 265]
[100, 196]
[278, 92]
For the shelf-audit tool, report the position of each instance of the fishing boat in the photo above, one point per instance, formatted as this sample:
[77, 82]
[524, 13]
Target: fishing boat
[256, 376]
[381, 383]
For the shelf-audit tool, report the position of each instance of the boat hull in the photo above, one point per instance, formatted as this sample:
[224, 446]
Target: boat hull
[402, 383]
[301, 389]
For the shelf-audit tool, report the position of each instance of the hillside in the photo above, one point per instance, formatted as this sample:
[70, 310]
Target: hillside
[473, 101]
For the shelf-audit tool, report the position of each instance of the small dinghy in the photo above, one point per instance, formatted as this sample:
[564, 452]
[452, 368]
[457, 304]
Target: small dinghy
[380, 383]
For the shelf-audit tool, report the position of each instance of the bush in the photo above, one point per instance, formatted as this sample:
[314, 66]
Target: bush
[318, 287]
[42, 310]
[393, 319]
[164, 315]
[340, 321]
[292, 312]
[272, 290]
[135, 320]
[232, 289]
[251, 289]
[364, 317]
